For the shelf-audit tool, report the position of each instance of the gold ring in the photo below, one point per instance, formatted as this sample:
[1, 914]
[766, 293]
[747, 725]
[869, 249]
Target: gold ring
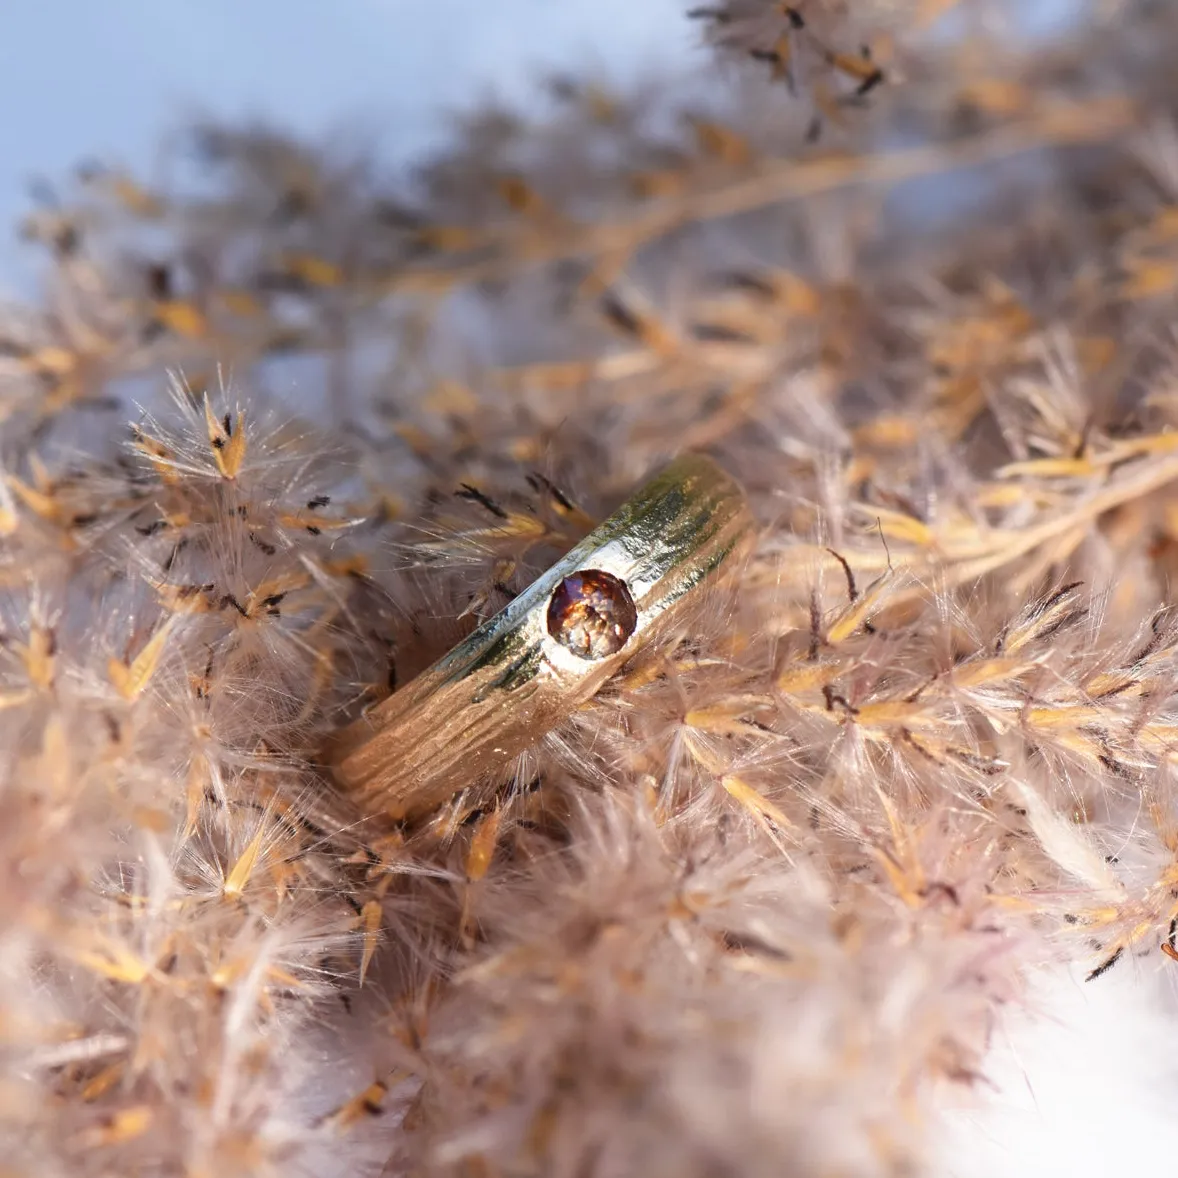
[551, 648]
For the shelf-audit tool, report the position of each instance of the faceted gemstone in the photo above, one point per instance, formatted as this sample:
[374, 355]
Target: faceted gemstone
[592, 614]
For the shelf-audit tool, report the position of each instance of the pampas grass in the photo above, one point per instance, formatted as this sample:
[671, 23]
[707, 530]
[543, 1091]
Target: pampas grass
[765, 905]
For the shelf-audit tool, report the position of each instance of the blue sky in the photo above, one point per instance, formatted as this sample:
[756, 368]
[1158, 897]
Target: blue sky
[107, 78]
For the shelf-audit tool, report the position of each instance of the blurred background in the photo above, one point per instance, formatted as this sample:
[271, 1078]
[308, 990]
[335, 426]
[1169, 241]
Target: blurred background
[80, 81]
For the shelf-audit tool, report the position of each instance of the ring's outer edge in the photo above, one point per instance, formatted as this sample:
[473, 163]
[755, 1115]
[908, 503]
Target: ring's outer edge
[508, 682]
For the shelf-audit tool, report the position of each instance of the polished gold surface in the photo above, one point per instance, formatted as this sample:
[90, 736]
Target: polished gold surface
[507, 684]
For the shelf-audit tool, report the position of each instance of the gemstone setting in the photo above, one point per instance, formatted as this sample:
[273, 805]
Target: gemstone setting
[591, 614]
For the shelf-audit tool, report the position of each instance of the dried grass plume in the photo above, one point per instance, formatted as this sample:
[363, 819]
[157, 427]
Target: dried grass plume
[906, 268]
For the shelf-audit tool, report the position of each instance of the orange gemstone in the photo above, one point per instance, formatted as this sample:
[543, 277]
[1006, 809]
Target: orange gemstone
[592, 614]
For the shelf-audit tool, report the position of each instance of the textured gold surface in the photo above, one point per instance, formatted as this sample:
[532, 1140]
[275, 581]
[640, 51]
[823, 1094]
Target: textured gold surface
[509, 682]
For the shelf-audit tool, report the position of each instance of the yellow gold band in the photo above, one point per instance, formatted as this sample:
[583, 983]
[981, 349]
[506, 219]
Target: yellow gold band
[553, 647]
